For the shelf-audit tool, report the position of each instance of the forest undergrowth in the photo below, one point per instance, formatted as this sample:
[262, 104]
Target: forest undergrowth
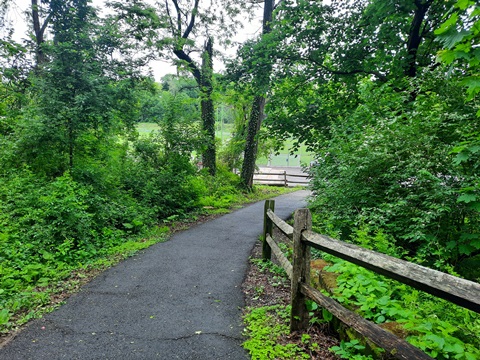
[57, 243]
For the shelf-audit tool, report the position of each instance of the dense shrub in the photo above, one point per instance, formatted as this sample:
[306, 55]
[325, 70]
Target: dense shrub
[391, 167]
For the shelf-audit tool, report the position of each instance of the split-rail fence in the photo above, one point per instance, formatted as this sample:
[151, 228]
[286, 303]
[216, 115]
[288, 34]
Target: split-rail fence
[281, 178]
[459, 291]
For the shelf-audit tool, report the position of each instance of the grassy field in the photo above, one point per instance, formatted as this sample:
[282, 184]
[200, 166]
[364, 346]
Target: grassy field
[147, 128]
[224, 132]
[299, 158]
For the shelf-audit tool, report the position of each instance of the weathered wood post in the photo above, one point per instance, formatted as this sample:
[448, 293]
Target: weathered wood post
[301, 270]
[285, 178]
[267, 229]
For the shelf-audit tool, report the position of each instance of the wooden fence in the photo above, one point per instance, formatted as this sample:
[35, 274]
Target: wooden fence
[459, 291]
[280, 178]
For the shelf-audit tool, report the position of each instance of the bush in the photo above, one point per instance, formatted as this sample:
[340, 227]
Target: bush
[391, 167]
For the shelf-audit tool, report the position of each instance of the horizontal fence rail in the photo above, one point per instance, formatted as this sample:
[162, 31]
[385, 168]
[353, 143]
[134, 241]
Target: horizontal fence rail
[456, 290]
[279, 178]
[283, 178]
[459, 291]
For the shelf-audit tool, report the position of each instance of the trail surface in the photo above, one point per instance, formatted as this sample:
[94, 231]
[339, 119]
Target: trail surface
[176, 300]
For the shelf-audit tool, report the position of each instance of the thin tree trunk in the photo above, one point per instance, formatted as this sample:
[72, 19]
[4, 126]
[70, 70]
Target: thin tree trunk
[71, 145]
[208, 113]
[257, 113]
[39, 31]
[415, 36]
[251, 145]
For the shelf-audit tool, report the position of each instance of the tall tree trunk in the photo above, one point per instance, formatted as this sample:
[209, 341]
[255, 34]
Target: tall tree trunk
[39, 30]
[257, 113]
[203, 77]
[415, 35]
[71, 145]
[208, 113]
[251, 145]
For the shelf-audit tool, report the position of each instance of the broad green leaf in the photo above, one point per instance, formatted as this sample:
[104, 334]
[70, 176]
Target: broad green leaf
[463, 4]
[461, 157]
[473, 83]
[474, 205]
[453, 37]
[474, 149]
[467, 198]
[475, 243]
[4, 316]
[439, 341]
[470, 356]
[465, 249]
[447, 25]
[47, 256]
[447, 56]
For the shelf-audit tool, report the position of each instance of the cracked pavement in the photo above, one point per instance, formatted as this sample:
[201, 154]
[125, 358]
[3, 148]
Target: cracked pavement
[180, 299]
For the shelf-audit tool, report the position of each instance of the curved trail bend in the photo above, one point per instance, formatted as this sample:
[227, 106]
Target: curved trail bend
[180, 299]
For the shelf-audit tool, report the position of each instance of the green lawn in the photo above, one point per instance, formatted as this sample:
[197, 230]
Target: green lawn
[146, 128]
[301, 157]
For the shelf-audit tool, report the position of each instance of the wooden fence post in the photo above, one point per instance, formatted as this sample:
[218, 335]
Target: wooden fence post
[285, 178]
[301, 270]
[267, 229]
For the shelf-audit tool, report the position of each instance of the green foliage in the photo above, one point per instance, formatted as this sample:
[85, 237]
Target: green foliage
[161, 184]
[265, 326]
[395, 142]
[460, 37]
[439, 328]
[222, 190]
[78, 188]
[391, 167]
[180, 126]
[270, 266]
[349, 350]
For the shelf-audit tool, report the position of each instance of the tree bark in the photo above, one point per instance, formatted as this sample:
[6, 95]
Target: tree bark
[415, 36]
[208, 113]
[257, 113]
[203, 74]
[251, 145]
[39, 31]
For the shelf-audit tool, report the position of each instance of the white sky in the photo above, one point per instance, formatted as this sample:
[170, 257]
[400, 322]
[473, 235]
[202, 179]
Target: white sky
[160, 68]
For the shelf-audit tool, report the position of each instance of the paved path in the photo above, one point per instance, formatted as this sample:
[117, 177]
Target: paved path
[176, 300]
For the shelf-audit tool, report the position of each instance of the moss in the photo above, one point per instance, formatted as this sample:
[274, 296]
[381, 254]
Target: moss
[322, 279]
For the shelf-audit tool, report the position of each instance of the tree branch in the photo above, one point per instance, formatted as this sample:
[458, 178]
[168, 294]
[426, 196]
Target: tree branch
[167, 9]
[380, 76]
[45, 23]
[179, 16]
[415, 35]
[277, 4]
[192, 20]
[190, 63]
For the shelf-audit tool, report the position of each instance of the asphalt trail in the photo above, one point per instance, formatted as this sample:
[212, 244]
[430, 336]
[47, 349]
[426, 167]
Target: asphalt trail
[176, 300]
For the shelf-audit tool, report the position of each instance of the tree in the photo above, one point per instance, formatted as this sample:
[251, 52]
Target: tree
[40, 27]
[189, 24]
[261, 83]
[360, 84]
[70, 118]
[187, 28]
[342, 42]
[208, 111]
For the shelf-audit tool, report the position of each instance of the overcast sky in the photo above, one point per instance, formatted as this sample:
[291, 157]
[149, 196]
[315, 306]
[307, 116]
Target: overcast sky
[160, 68]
